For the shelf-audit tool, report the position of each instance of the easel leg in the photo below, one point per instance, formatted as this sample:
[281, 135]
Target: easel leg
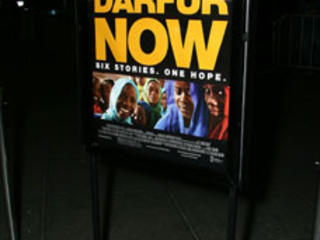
[316, 234]
[5, 177]
[232, 217]
[95, 195]
[108, 201]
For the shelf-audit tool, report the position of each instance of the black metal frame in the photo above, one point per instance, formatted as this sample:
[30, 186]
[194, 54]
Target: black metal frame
[238, 112]
[5, 175]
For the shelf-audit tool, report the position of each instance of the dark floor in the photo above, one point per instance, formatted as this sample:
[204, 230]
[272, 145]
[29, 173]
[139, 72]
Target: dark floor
[55, 190]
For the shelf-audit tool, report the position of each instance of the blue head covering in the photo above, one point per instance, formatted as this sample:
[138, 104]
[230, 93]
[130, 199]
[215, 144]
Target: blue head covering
[169, 88]
[112, 112]
[173, 120]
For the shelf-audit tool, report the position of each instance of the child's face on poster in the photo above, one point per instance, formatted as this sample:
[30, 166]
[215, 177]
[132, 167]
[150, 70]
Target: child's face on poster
[214, 96]
[127, 101]
[183, 99]
[153, 92]
[96, 88]
[107, 87]
[141, 81]
[162, 82]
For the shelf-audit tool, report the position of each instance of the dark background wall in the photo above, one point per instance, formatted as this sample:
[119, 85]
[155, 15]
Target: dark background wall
[38, 55]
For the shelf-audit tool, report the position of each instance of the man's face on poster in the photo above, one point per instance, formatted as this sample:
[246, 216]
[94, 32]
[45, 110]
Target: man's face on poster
[183, 99]
[127, 101]
[214, 96]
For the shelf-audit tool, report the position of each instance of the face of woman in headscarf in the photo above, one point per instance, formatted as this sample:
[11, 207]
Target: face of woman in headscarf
[183, 99]
[153, 92]
[126, 102]
[164, 100]
[214, 96]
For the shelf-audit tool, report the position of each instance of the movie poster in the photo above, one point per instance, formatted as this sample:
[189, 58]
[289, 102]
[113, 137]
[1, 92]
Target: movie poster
[161, 77]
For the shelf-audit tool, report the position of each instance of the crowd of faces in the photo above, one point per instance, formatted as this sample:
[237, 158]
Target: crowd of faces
[127, 105]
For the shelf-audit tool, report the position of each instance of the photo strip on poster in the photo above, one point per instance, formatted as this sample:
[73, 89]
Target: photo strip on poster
[161, 76]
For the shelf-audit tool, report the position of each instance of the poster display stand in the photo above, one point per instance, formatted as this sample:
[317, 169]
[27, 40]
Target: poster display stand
[5, 173]
[185, 52]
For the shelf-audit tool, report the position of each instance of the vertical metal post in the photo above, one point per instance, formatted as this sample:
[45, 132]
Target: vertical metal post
[108, 201]
[93, 154]
[5, 176]
[232, 215]
[316, 234]
[95, 195]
